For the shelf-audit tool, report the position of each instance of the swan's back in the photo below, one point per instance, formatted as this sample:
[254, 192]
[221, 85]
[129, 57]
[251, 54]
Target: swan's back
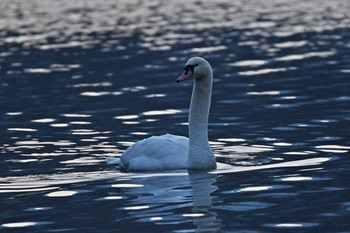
[165, 152]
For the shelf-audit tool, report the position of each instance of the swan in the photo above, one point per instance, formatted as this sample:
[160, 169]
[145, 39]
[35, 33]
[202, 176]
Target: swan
[173, 152]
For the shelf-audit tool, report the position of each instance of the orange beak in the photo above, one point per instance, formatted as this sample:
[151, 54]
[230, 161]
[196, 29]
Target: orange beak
[186, 75]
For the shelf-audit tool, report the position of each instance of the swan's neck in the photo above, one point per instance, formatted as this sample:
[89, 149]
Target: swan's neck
[200, 155]
[199, 113]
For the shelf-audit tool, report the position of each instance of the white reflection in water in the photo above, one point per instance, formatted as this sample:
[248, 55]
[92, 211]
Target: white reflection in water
[80, 122]
[19, 224]
[76, 115]
[245, 149]
[249, 63]
[289, 225]
[269, 139]
[264, 93]
[142, 207]
[36, 183]
[71, 44]
[131, 122]
[100, 93]
[84, 132]
[155, 218]
[38, 70]
[208, 49]
[23, 189]
[14, 113]
[193, 215]
[109, 198]
[127, 185]
[50, 154]
[306, 55]
[101, 84]
[22, 160]
[22, 129]
[291, 44]
[83, 161]
[125, 143]
[297, 163]
[282, 144]
[298, 153]
[59, 125]
[155, 95]
[292, 225]
[126, 117]
[161, 112]
[255, 189]
[134, 89]
[139, 133]
[37, 142]
[231, 139]
[333, 148]
[288, 97]
[297, 178]
[62, 194]
[44, 120]
[38, 209]
[265, 71]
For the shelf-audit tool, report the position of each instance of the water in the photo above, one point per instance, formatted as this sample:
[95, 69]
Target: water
[81, 81]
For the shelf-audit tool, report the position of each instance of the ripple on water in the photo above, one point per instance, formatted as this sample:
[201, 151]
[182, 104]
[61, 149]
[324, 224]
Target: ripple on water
[265, 71]
[66, 193]
[305, 56]
[84, 161]
[292, 225]
[24, 224]
[38, 209]
[244, 206]
[14, 113]
[24, 188]
[22, 129]
[161, 112]
[109, 198]
[126, 117]
[76, 115]
[44, 120]
[100, 93]
[333, 148]
[249, 63]
[297, 178]
[261, 189]
[127, 185]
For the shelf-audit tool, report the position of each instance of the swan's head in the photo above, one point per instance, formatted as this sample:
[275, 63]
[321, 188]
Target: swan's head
[195, 67]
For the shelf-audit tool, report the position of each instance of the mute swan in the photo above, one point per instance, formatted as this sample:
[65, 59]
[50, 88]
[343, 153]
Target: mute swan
[172, 152]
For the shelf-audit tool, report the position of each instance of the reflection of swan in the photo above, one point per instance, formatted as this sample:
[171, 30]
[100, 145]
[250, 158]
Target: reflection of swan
[203, 185]
[172, 152]
[174, 198]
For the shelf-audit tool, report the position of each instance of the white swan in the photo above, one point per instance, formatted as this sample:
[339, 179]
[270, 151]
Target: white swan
[172, 152]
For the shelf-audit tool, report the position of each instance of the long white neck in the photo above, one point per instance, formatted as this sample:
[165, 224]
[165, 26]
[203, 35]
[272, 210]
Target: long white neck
[200, 155]
[199, 113]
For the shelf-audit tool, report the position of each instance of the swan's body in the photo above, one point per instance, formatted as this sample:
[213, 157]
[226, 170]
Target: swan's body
[172, 152]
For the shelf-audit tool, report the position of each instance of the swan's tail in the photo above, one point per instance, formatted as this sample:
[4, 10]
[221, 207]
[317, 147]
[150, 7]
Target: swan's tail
[113, 161]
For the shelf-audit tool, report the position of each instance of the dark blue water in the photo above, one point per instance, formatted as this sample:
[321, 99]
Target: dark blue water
[81, 81]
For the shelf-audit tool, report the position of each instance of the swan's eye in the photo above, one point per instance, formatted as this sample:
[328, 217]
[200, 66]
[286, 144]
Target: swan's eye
[190, 67]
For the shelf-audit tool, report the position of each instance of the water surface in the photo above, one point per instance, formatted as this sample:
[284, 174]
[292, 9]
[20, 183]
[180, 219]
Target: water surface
[81, 81]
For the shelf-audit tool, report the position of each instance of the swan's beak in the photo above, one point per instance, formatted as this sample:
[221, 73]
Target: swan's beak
[186, 74]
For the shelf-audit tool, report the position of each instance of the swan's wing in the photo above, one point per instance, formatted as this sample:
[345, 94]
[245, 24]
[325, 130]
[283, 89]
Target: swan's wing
[165, 152]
